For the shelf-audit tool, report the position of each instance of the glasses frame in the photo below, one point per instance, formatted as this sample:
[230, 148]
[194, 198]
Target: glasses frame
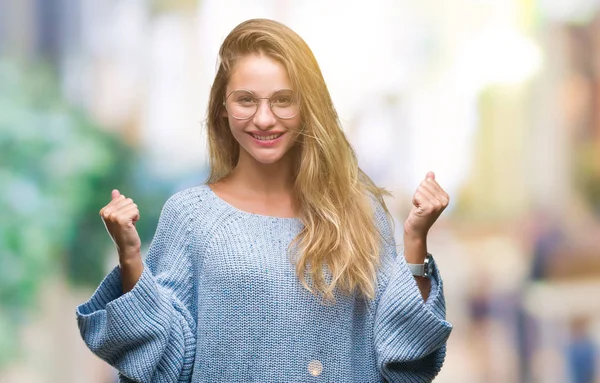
[258, 104]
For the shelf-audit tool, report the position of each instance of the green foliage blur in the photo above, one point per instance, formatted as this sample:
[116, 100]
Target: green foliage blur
[57, 169]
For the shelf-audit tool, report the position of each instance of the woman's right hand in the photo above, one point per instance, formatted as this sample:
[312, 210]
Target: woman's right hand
[120, 216]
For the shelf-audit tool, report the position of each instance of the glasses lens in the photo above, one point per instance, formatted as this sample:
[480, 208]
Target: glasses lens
[284, 104]
[241, 104]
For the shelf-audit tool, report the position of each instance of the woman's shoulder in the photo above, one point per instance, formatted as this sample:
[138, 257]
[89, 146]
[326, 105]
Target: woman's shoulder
[190, 200]
[381, 214]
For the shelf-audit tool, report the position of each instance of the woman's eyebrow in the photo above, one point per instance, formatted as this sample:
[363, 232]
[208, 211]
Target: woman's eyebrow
[279, 90]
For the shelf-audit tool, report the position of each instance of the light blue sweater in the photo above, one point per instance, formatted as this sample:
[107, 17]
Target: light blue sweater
[219, 301]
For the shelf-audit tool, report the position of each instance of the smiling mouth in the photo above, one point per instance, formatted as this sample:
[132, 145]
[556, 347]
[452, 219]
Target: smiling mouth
[267, 138]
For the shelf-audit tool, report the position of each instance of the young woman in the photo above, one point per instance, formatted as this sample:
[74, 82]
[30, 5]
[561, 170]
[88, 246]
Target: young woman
[283, 266]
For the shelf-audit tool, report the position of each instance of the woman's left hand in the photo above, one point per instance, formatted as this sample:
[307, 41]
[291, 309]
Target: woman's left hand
[429, 202]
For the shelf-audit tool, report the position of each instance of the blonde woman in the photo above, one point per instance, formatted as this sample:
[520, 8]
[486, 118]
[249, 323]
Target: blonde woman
[283, 266]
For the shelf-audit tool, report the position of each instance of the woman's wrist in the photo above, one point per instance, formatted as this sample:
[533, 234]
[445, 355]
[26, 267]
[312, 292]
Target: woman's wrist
[415, 248]
[132, 268]
[130, 256]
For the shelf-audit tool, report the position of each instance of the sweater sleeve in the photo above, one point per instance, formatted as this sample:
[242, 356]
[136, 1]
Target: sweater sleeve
[410, 334]
[148, 333]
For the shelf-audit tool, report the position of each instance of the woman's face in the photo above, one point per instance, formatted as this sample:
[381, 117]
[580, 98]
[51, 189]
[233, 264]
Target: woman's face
[265, 136]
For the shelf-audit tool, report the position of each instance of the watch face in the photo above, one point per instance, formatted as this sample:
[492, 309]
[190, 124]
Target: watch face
[429, 265]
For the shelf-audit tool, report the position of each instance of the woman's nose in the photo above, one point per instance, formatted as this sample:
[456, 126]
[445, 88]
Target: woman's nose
[264, 117]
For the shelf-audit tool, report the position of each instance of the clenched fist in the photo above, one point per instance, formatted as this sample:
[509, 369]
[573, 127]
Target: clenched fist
[429, 202]
[120, 216]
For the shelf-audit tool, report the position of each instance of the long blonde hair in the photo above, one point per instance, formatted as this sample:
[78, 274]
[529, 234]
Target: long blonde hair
[338, 248]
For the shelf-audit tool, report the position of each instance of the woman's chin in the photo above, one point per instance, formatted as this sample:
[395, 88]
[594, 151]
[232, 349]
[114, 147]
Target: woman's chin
[267, 160]
[265, 156]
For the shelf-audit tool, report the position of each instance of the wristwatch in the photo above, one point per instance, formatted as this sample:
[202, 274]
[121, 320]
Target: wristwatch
[424, 269]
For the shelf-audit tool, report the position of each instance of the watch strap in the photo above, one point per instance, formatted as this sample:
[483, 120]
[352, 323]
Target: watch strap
[417, 269]
[421, 269]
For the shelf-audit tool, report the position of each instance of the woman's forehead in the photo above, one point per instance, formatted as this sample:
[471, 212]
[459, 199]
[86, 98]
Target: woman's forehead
[260, 74]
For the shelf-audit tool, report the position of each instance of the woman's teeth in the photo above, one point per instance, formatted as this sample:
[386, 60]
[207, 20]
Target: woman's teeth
[267, 138]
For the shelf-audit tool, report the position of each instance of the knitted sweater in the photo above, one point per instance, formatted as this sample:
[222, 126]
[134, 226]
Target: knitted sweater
[219, 301]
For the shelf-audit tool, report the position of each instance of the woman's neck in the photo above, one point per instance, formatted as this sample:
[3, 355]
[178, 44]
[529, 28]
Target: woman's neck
[267, 179]
[258, 188]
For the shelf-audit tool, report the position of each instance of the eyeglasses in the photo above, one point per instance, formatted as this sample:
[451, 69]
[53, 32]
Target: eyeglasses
[243, 104]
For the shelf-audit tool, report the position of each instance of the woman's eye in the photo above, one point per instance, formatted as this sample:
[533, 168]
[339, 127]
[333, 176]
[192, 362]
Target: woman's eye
[282, 100]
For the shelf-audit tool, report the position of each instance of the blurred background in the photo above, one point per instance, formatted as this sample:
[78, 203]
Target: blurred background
[501, 98]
